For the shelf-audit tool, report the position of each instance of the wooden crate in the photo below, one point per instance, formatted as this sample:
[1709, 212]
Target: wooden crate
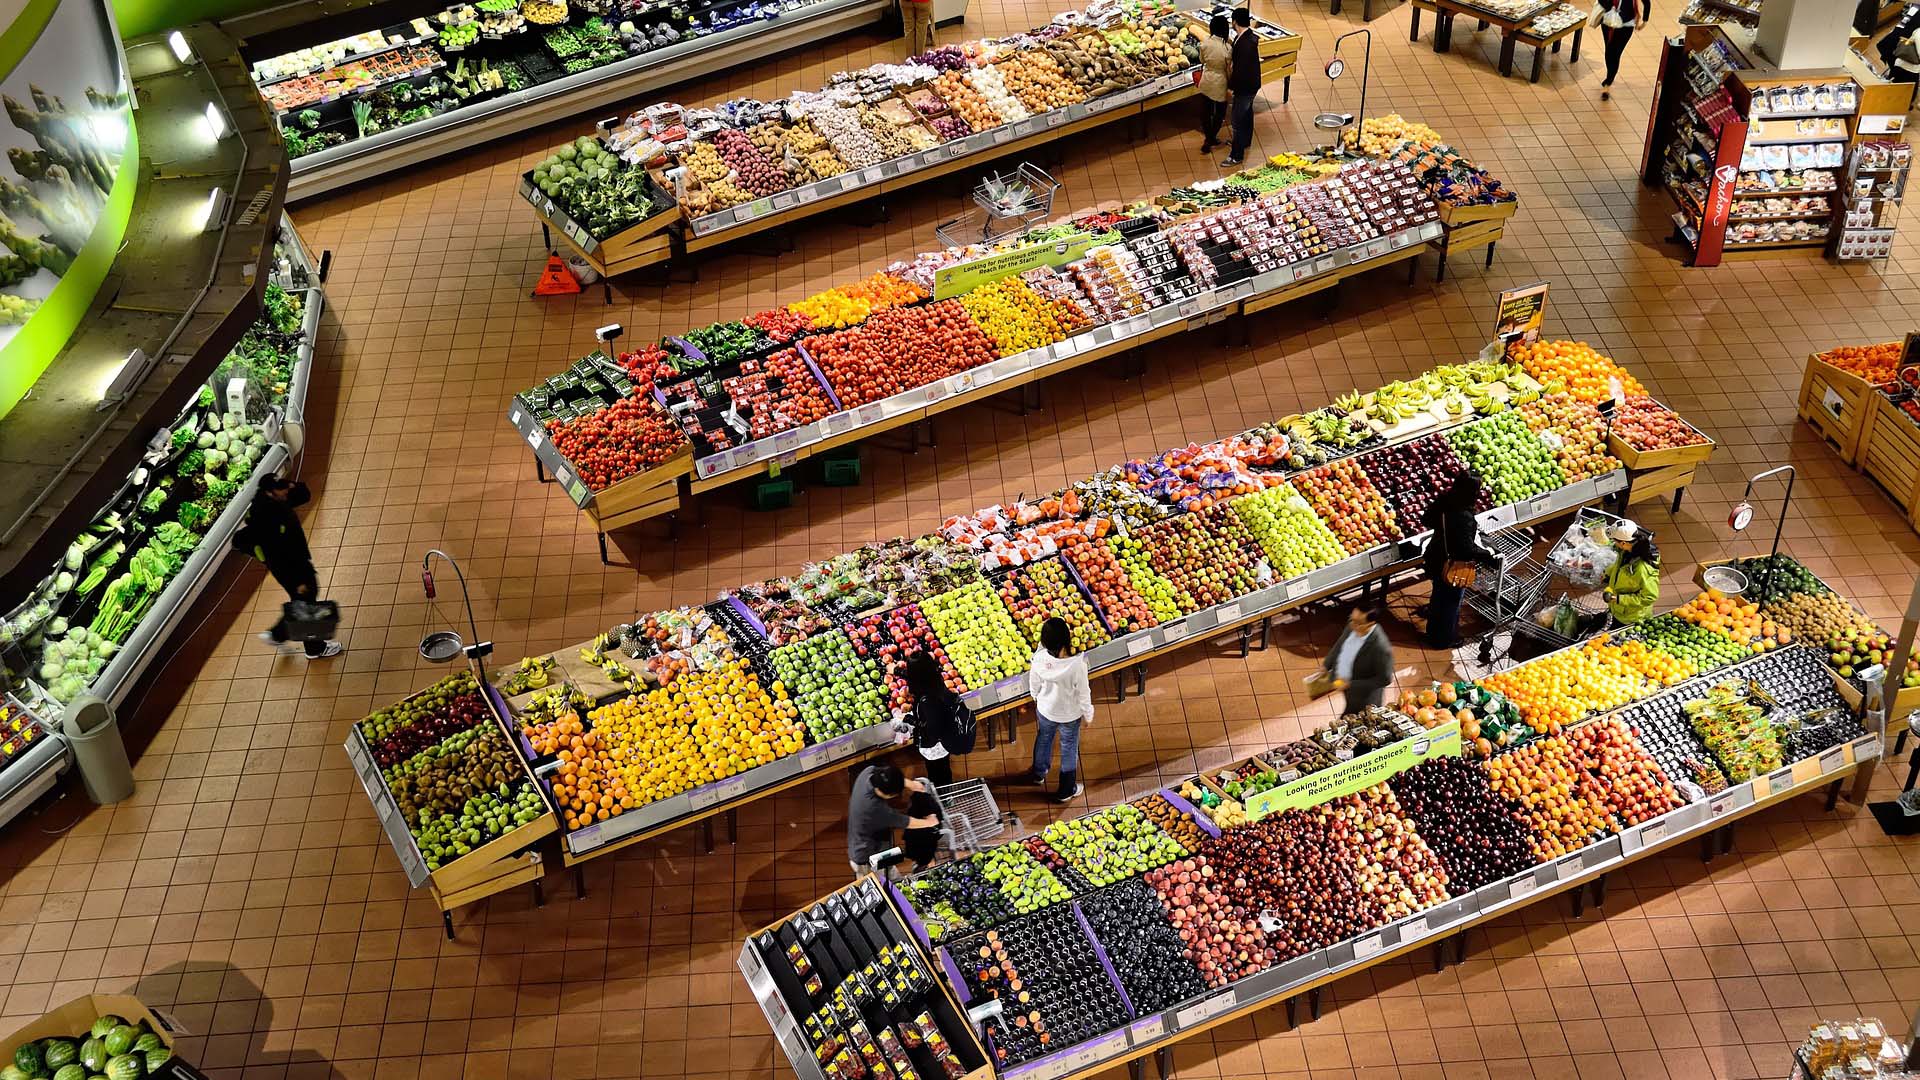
[1659, 483]
[1904, 700]
[1474, 234]
[1467, 215]
[1640, 460]
[642, 488]
[1838, 405]
[1890, 451]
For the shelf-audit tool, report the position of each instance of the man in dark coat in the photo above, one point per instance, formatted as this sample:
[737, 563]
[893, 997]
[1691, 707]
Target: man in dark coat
[1243, 81]
[273, 535]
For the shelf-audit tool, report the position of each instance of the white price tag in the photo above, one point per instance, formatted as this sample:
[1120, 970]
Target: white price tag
[1415, 927]
[1202, 1011]
[1366, 947]
[1833, 760]
[1002, 134]
[871, 413]
[1652, 833]
[1323, 265]
[1055, 118]
[1866, 748]
[1298, 588]
[1066, 347]
[934, 392]
[1522, 888]
[868, 176]
[1723, 803]
[1140, 643]
[813, 757]
[783, 201]
[1229, 612]
[961, 383]
[1173, 632]
[836, 423]
[535, 438]
[750, 964]
[1147, 1030]
[514, 418]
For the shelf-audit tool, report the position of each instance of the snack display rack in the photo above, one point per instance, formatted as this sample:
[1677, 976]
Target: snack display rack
[1133, 1034]
[1542, 25]
[1751, 156]
[677, 232]
[36, 630]
[1871, 197]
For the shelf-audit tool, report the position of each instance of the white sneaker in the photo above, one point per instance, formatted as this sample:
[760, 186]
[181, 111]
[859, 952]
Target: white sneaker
[333, 648]
[281, 647]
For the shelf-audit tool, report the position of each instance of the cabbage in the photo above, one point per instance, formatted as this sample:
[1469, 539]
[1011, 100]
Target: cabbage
[244, 431]
[58, 626]
[49, 671]
[104, 649]
[256, 452]
[223, 442]
[63, 582]
[94, 665]
[215, 459]
[205, 440]
[78, 635]
[76, 666]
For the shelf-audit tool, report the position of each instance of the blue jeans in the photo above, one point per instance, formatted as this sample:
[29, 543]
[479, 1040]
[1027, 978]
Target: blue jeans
[1242, 111]
[1043, 746]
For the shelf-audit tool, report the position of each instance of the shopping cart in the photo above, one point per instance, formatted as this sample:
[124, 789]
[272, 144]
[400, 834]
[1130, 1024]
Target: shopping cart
[969, 818]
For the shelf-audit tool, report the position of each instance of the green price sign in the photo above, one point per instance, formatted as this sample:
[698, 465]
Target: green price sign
[1359, 773]
[965, 277]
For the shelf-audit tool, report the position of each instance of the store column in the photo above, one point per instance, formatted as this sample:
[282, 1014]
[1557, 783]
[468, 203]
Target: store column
[1804, 34]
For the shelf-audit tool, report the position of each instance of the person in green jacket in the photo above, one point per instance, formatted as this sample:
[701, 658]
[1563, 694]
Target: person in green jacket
[1633, 581]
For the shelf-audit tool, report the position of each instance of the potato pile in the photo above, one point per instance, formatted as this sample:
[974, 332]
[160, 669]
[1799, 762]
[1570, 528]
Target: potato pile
[705, 164]
[817, 159]
[893, 139]
[1038, 81]
[1088, 62]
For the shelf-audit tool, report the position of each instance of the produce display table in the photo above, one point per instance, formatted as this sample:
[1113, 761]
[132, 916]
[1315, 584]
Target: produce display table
[1837, 404]
[1869, 427]
[1513, 31]
[769, 959]
[670, 237]
[1655, 474]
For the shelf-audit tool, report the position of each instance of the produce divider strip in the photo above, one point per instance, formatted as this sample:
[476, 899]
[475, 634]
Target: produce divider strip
[1379, 945]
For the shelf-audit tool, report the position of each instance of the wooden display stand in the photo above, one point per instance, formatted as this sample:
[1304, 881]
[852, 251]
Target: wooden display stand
[640, 497]
[1466, 227]
[1890, 451]
[1655, 474]
[1512, 32]
[1838, 405]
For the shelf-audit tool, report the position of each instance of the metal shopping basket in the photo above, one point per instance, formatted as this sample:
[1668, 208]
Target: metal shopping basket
[970, 819]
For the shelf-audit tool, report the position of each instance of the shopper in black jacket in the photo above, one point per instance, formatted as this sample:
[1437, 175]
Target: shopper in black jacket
[932, 716]
[273, 535]
[1456, 539]
[1243, 80]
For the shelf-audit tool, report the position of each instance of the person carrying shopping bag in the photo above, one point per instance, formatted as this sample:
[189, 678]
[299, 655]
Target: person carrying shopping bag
[1361, 662]
[1451, 557]
[1064, 701]
[1617, 20]
[272, 534]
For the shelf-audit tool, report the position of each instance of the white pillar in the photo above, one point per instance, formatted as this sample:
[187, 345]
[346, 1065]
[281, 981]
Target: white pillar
[1798, 35]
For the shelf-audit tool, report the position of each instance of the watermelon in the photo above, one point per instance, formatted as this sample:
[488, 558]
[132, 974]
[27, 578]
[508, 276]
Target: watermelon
[59, 1052]
[148, 1041]
[70, 1071]
[156, 1059]
[12, 1072]
[93, 1054]
[104, 1025]
[29, 1060]
[127, 1067]
[120, 1040]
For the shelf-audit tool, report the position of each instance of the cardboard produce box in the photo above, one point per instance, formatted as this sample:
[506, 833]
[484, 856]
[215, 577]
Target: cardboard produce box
[73, 1021]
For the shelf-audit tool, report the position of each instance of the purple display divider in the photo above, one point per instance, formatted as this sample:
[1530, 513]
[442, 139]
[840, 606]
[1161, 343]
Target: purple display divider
[1106, 962]
[1198, 815]
[1037, 1063]
[687, 348]
[908, 914]
[819, 376]
[752, 619]
[1080, 583]
[953, 975]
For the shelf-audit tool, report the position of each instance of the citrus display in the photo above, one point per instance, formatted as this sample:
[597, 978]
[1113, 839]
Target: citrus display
[1576, 368]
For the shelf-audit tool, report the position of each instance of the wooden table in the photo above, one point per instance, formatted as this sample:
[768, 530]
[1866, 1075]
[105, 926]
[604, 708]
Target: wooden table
[1512, 32]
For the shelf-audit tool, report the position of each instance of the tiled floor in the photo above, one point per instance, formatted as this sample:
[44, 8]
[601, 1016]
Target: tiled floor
[247, 887]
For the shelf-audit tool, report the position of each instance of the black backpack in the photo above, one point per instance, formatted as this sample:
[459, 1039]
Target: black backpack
[962, 730]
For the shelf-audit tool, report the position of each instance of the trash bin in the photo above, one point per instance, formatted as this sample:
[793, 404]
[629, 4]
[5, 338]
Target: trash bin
[94, 732]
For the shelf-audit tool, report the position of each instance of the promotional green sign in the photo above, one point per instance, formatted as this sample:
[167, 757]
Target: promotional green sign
[967, 276]
[1359, 773]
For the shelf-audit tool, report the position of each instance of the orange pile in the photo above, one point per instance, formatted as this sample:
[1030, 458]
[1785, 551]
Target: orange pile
[589, 785]
[1738, 619]
[1561, 687]
[1659, 667]
[1874, 363]
[1575, 367]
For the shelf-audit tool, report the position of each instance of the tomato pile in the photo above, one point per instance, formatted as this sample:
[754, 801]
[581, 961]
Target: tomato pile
[899, 349]
[777, 393]
[629, 436]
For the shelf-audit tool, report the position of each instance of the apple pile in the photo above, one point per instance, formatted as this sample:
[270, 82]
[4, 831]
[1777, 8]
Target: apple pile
[1222, 939]
[888, 637]
[1508, 457]
[1044, 854]
[1630, 784]
[1579, 431]
[1645, 424]
[1342, 495]
[1042, 590]
[1209, 556]
[898, 349]
[627, 437]
[1292, 535]
[1479, 836]
[1112, 844]
[1564, 803]
[1164, 599]
[1288, 867]
[1120, 605]
[777, 394]
[1413, 474]
[1027, 885]
[835, 688]
[977, 633]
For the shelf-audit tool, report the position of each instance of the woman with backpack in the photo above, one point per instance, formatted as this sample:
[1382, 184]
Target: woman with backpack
[942, 725]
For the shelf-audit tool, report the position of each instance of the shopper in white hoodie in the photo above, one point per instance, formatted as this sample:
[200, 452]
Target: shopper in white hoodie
[1064, 700]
